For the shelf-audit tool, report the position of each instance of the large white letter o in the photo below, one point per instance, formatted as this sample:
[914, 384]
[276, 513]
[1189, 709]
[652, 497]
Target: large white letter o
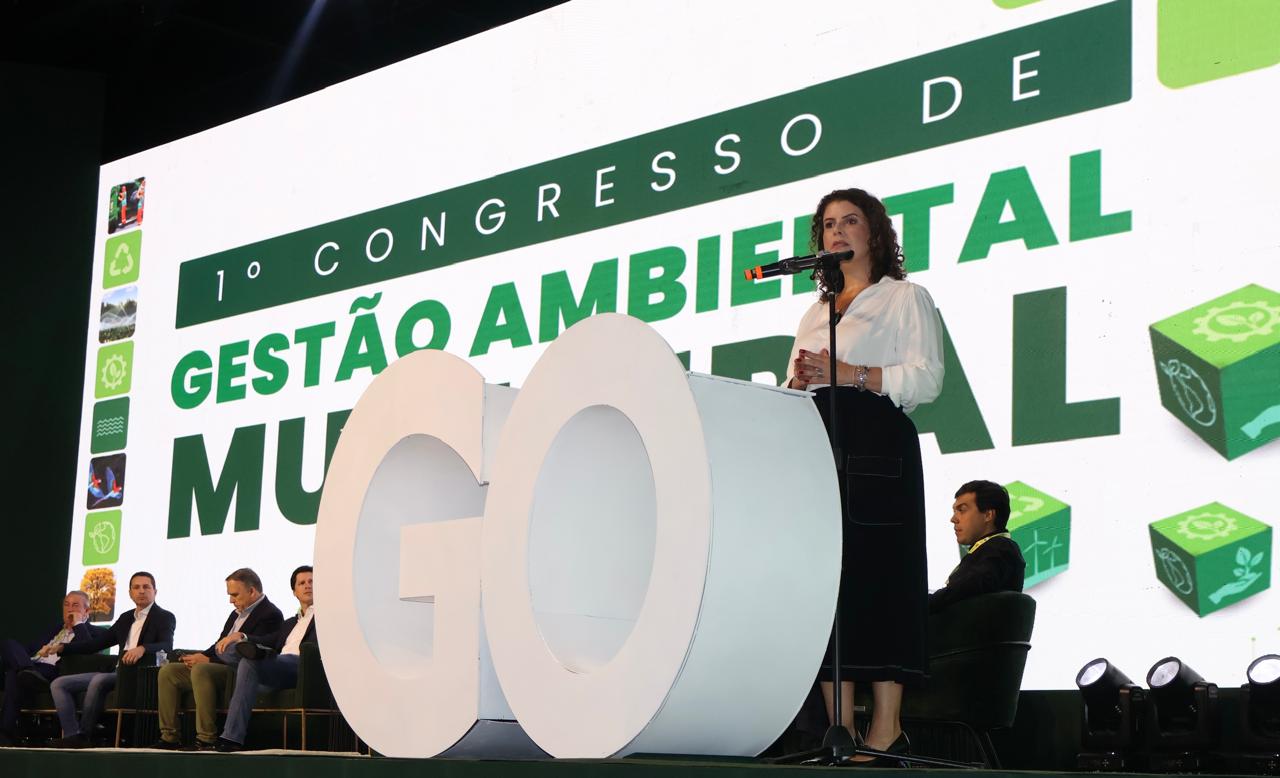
[637, 570]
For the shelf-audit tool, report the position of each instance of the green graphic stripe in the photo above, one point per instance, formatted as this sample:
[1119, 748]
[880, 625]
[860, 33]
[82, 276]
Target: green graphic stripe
[1084, 63]
[1198, 41]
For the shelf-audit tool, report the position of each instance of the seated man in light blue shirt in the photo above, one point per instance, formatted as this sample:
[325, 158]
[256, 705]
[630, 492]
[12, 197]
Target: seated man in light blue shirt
[205, 672]
[271, 661]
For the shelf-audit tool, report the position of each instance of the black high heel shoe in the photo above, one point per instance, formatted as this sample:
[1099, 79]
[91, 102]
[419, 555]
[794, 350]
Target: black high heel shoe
[900, 746]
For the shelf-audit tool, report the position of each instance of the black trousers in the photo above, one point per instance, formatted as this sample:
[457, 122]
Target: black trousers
[13, 660]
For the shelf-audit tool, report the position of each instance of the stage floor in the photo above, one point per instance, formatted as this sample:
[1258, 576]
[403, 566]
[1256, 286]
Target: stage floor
[146, 763]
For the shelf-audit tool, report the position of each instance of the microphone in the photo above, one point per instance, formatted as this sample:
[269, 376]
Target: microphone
[787, 267]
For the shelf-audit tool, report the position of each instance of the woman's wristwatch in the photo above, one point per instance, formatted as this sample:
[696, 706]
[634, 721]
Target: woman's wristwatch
[860, 377]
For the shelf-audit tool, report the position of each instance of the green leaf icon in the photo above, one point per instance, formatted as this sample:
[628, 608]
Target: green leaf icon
[1242, 556]
[1256, 559]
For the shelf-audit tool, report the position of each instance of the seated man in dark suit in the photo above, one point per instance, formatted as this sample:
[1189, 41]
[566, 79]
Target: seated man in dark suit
[274, 662]
[139, 633]
[994, 562]
[39, 656]
[206, 672]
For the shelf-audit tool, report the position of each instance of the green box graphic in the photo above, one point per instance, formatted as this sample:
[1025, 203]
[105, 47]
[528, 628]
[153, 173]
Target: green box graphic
[110, 430]
[1041, 525]
[123, 259]
[1212, 556]
[114, 374]
[1218, 365]
[102, 538]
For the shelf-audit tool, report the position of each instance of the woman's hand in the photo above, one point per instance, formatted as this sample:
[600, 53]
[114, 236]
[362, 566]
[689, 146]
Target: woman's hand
[814, 367]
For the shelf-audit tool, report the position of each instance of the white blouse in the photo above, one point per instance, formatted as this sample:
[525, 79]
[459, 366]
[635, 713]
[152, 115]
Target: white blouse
[892, 325]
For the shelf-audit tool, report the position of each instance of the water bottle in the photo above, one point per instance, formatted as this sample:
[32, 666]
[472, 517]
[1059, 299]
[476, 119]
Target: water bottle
[162, 658]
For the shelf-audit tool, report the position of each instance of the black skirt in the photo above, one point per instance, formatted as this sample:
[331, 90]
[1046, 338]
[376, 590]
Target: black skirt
[884, 595]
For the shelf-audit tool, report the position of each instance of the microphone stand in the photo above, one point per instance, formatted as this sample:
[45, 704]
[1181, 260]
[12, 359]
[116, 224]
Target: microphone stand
[838, 745]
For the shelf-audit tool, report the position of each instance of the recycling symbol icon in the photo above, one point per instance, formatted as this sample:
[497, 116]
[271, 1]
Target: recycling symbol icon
[121, 261]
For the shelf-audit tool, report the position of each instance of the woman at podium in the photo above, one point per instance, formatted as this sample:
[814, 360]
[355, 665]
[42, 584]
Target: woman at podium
[889, 360]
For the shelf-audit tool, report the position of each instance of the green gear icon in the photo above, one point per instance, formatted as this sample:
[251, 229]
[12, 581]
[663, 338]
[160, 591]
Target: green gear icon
[1238, 321]
[113, 371]
[1207, 526]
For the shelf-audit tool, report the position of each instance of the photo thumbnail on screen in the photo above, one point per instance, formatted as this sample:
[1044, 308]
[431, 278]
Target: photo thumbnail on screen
[125, 205]
[106, 482]
[118, 314]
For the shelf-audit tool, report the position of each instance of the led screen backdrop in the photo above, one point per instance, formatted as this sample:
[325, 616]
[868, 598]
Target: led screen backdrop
[1085, 189]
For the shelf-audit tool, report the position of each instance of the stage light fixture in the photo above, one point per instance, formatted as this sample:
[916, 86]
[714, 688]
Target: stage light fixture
[1173, 684]
[1260, 717]
[1182, 716]
[1111, 703]
[1264, 677]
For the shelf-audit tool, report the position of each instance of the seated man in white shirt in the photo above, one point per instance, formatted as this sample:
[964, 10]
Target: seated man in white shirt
[139, 633]
[274, 668]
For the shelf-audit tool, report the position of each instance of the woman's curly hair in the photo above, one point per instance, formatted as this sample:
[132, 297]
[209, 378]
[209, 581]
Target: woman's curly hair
[886, 254]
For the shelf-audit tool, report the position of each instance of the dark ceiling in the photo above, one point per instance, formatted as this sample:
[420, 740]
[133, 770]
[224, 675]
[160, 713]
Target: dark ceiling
[176, 67]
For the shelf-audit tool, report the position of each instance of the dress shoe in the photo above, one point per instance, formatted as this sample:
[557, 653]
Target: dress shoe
[224, 746]
[167, 745]
[200, 745]
[74, 741]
